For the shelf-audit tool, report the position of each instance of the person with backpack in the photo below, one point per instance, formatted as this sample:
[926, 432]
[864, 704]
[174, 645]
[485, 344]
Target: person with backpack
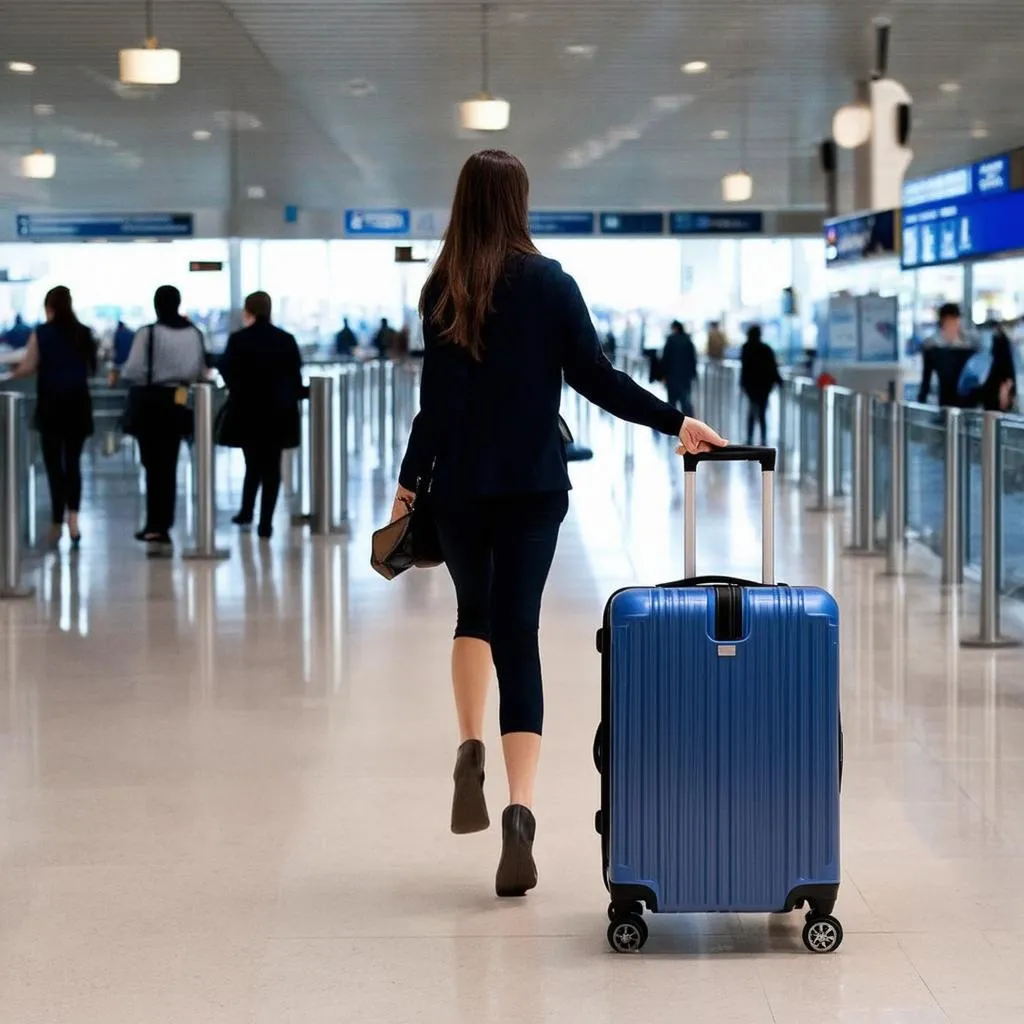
[989, 378]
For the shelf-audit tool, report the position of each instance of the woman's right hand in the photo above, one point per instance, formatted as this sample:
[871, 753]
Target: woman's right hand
[697, 437]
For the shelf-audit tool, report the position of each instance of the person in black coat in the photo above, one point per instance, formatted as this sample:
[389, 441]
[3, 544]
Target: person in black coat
[262, 369]
[759, 374]
[502, 328]
[679, 368]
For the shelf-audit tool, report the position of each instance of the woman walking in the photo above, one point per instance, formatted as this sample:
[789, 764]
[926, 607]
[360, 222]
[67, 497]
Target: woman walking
[166, 358]
[62, 353]
[502, 327]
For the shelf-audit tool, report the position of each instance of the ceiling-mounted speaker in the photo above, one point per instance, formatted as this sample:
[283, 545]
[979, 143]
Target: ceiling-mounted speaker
[828, 156]
[904, 122]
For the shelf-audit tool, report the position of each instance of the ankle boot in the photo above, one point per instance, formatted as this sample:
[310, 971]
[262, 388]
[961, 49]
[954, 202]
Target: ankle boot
[469, 809]
[517, 873]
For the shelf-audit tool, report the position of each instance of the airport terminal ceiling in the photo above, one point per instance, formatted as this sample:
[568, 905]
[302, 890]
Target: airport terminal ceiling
[351, 102]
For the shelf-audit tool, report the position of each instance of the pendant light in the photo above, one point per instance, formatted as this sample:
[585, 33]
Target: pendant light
[150, 64]
[37, 164]
[852, 123]
[485, 113]
[738, 186]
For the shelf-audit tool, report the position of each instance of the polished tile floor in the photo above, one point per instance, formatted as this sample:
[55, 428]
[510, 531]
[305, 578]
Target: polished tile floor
[224, 787]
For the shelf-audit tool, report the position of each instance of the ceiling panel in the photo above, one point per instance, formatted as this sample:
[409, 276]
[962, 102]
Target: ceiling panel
[353, 101]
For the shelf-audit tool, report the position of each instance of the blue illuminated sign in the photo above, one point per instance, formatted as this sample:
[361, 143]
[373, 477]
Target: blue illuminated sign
[864, 236]
[963, 228]
[985, 178]
[741, 223]
[55, 226]
[377, 223]
[632, 223]
[572, 222]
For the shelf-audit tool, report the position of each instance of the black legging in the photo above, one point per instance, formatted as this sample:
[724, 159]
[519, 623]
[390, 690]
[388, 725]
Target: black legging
[262, 472]
[499, 552]
[62, 456]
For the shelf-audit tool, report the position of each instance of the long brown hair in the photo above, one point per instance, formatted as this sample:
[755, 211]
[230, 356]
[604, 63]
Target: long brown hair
[58, 303]
[489, 223]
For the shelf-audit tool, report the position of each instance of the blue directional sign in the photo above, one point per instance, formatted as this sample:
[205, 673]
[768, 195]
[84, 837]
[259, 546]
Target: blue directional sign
[747, 222]
[377, 223]
[984, 178]
[860, 237]
[57, 226]
[572, 222]
[632, 223]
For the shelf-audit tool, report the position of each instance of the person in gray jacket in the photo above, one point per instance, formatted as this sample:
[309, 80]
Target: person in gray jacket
[166, 358]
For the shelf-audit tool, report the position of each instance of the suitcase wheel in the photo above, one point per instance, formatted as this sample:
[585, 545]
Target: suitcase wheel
[620, 910]
[822, 934]
[627, 934]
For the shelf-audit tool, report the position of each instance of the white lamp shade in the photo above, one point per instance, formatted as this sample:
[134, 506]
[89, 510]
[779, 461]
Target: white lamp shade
[484, 114]
[851, 125]
[38, 164]
[737, 187]
[150, 66]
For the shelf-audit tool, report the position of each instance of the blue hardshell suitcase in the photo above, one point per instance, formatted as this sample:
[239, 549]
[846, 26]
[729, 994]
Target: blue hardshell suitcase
[720, 746]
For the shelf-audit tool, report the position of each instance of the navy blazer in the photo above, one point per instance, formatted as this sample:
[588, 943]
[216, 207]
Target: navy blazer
[490, 427]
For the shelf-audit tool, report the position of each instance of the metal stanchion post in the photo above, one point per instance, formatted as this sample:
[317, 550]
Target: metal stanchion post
[863, 476]
[782, 464]
[826, 450]
[991, 541]
[838, 448]
[952, 520]
[896, 533]
[204, 478]
[15, 443]
[321, 455]
[344, 381]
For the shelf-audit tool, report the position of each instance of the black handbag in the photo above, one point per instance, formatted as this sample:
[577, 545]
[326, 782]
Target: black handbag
[150, 406]
[408, 542]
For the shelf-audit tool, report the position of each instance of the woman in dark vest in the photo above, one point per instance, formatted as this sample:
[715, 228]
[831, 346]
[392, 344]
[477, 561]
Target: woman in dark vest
[62, 352]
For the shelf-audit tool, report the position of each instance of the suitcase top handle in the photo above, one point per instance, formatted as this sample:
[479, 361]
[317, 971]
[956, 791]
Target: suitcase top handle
[765, 457]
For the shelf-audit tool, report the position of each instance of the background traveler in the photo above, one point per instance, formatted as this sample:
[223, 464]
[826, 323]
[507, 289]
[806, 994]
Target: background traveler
[945, 356]
[123, 338]
[262, 368]
[998, 391]
[501, 326]
[18, 334]
[166, 358]
[679, 368]
[718, 343]
[345, 341]
[759, 374]
[383, 340]
[62, 353]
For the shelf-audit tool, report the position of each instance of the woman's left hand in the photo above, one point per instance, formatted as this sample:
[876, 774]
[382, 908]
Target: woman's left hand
[403, 502]
[696, 437]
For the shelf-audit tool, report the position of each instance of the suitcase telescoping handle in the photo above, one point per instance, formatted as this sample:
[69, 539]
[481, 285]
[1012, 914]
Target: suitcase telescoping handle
[765, 457]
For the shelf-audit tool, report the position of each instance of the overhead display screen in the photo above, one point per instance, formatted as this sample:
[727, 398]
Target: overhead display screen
[966, 213]
[960, 229]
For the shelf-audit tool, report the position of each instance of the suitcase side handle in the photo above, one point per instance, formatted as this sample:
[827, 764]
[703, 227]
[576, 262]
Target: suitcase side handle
[764, 457]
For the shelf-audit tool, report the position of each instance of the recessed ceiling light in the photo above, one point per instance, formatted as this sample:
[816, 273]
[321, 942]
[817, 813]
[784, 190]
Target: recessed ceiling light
[979, 131]
[202, 135]
[720, 134]
[949, 87]
[694, 67]
[43, 109]
[586, 50]
[21, 67]
[256, 192]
